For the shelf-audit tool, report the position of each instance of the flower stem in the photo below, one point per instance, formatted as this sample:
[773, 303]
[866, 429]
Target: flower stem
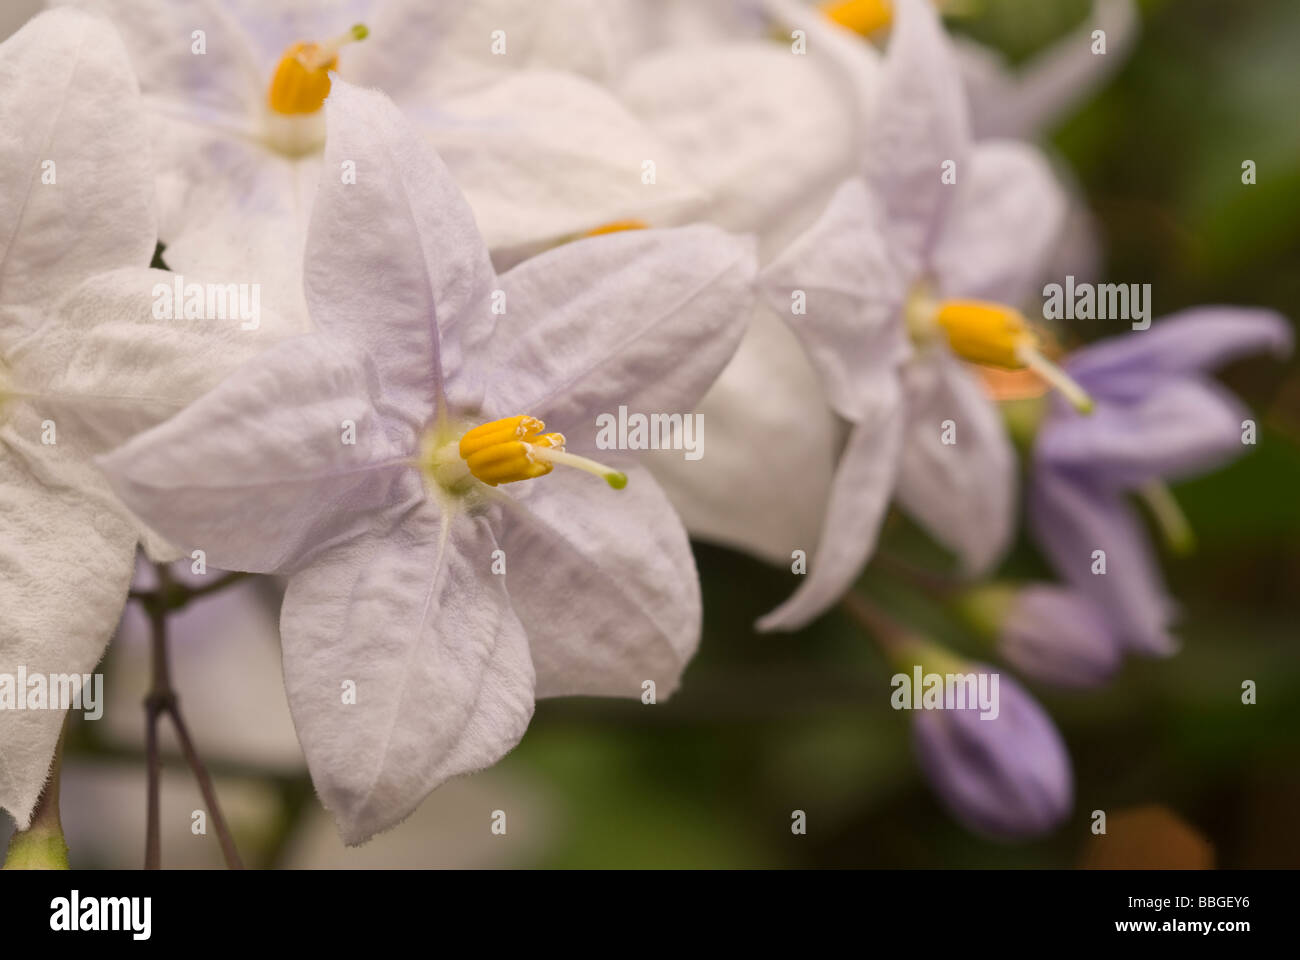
[42, 846]
[161, 699]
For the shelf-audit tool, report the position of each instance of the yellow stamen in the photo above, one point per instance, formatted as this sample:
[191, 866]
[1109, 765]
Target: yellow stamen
[998, 336]
[617, 226]
[301, 81]
[861, 16]
[515, 448]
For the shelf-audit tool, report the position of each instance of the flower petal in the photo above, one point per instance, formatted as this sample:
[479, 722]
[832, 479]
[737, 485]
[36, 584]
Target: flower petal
[71, 111]
[1180, 428]
[859, 497]
[1004, 224]
[645, 318]
[852, 327]
[1186, 342]
[399, 244]
[269, 447]
[65, 564]
[919, 124]
[736, 495]
[1056, 635]
[542, 156]
[1071, 520]
[411, 621]
[965, 492]
[605, 584]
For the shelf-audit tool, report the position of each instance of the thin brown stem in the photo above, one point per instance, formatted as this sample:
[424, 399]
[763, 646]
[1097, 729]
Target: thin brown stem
[161, 700]
[892, 637]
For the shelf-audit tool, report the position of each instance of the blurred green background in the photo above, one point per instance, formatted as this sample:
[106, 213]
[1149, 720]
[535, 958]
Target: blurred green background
[768, 724]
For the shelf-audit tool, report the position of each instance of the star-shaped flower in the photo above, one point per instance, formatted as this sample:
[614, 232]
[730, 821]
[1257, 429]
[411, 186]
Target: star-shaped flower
[933, 218]
[427, 606]
[84, 364]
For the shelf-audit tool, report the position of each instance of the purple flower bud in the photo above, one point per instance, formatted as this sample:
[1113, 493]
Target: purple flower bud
[1007, 776]
[1058, 636]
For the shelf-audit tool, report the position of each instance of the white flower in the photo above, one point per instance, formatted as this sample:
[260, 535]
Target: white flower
[933, 217]
[83, 362]
[237, 130]
[397, 588]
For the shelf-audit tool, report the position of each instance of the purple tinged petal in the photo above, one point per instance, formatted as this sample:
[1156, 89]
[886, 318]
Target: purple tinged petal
[920, 122]
[1070, 520]
[859, 497]
[1192, 341]
[394, 261]
[1056, 635]
[1007, 776]
[852, 329]
[1178, 428]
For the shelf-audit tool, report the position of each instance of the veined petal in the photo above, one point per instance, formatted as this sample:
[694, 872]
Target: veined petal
[768, 391]
[1178, 429]
[65, 565]
[642, 318]
[1071, 520]
[394, 261]
[412, 621]
[919, 123]
[543, 155]
[963, 493]
[740, 117]
[1006, 218]
[605, 584]
[224, 85]
[104, 368]
[260, 473]
[852, 297]
[78, 195]
[860, 494]
[1187, 342]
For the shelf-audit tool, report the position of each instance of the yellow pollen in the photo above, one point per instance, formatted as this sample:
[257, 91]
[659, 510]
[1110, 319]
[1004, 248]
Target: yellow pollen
[860, 16]
[301, 81]
[998, 336]
[515, 448]
[617, 226]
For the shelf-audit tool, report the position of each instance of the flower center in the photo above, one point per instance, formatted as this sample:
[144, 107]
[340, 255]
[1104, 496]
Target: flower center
[990, 334]
[506, 451]
[868, 16]
[301, 81]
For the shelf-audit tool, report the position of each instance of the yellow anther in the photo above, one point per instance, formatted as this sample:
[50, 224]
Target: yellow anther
[998, 336]
[617, 226]
[861, 16]
[515, 448]
[986, 333]
[301, 82]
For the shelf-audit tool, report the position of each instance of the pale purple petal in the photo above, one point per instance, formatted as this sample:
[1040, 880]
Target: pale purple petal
[394, 262]
[646, 318]
[919, 124]
[852, 293]
[259, 474]
[605, 584]
[1071, 520]
[1056, 635]
[412, 621]
[1004, 223]
[859, 497]
[1190, 341]
[1177, 429]
[963, 493]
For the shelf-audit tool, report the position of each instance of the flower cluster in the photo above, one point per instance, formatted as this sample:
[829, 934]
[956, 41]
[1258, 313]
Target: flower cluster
[404, 270]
